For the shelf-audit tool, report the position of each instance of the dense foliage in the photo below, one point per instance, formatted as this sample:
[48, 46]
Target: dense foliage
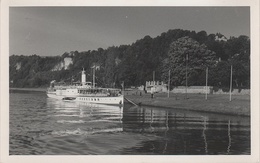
[188, 56]
[134, 64]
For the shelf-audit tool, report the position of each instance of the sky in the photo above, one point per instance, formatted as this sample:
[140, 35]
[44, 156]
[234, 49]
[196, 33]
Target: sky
[52, 31]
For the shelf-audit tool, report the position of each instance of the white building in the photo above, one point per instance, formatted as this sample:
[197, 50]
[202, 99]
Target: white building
[155, 86]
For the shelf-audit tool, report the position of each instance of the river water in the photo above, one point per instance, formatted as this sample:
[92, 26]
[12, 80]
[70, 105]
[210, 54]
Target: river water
[43, 126]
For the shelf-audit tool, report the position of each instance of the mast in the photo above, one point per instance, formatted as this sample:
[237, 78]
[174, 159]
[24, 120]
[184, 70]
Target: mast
[94, 76]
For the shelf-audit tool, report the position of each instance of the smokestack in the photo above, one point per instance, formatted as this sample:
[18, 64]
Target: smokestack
[83, 77]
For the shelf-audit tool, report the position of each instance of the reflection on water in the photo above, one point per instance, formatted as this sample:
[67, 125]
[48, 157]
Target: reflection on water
[188, 132]
[40, 125]
[97, 118]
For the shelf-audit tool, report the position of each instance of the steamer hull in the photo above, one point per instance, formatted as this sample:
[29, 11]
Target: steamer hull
[119, 100]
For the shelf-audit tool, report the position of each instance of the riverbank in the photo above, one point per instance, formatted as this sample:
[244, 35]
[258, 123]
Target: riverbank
[215, 103]
[240, 104]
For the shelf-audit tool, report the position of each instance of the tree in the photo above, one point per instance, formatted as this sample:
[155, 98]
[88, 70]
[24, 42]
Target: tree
[238, 50]
[134, 64]
[197, 56]
[219, 75]
[110, 66]
[201, 36]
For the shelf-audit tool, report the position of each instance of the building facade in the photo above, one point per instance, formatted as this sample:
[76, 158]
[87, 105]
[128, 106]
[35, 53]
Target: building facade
[155, 87]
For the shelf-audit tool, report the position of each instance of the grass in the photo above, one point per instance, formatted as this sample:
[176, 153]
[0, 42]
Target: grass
[239, 105]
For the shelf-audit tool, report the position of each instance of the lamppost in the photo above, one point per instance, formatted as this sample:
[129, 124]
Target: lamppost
[206, 93]
[186, 91]
[230, 89]
[153, 76]
[169, 81]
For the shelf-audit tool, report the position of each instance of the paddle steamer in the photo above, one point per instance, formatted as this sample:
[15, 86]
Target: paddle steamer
[85, 92]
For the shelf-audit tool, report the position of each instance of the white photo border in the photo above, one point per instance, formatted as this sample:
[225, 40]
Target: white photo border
[4, 69]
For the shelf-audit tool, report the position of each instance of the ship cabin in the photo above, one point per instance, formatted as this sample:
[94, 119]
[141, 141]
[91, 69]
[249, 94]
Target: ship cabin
[100, 92]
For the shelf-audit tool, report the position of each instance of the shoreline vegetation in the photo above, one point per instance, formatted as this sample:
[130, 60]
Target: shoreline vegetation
[29, 89]
[215, 103]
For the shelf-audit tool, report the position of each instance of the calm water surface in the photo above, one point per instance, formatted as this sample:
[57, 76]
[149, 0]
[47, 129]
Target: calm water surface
[43, 126]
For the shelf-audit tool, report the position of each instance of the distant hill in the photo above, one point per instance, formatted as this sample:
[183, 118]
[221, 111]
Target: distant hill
[134, 64]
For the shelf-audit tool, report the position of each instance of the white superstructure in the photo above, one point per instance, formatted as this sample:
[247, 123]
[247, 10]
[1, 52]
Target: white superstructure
[85, 92]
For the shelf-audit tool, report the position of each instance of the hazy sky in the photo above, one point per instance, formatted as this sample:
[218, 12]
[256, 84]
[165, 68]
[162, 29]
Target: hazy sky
[54, 30]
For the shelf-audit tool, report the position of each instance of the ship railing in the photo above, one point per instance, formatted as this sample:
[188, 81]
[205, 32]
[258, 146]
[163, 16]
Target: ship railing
[66, 87]
[100, 92]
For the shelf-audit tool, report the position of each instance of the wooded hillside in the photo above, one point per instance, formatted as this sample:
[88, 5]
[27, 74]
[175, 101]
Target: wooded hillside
[134, 64]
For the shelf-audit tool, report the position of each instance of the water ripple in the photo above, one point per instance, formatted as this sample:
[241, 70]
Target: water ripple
[40, 125]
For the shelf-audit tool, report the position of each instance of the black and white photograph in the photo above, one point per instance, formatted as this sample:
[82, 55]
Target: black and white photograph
[130, 81]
